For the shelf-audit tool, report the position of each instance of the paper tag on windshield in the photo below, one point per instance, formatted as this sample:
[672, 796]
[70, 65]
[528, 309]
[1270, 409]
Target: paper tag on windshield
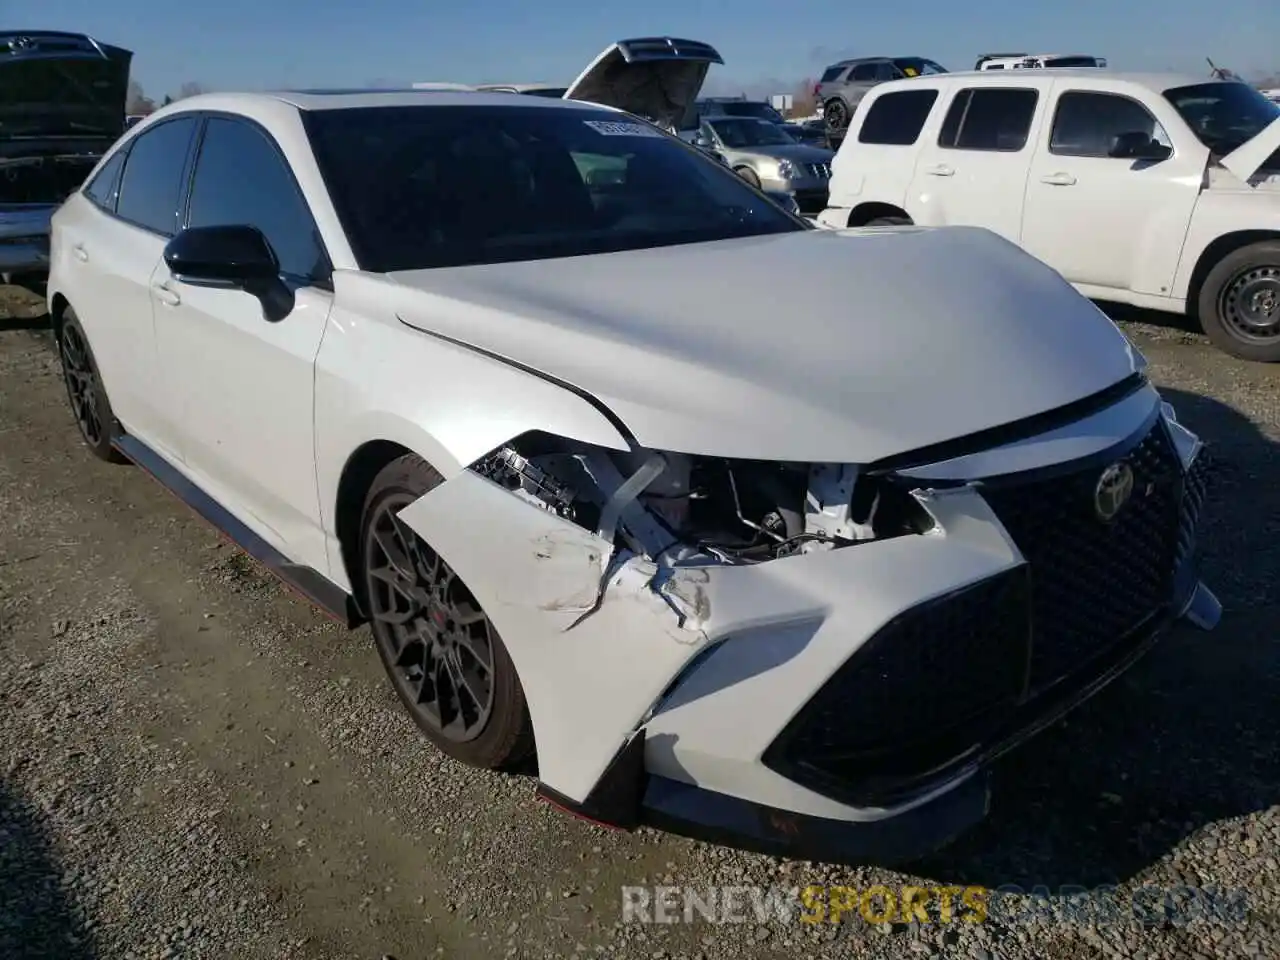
[615, 128]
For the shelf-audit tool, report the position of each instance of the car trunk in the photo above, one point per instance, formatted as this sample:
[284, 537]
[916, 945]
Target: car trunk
[657, 78]
[62, 105]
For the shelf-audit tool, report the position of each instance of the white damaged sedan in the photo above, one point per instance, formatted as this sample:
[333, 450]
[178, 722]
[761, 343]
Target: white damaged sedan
[517, 381]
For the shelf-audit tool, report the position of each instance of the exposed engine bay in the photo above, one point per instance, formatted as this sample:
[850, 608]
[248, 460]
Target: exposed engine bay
[687, 509]
[44, 179]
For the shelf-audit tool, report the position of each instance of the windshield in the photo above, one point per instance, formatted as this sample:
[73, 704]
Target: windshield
[918, 67]
[1223, 115]
[758, 111]
[742, 134]
[430, 186]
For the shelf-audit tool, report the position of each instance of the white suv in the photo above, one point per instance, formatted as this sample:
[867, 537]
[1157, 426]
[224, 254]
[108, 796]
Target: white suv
[1161, 191]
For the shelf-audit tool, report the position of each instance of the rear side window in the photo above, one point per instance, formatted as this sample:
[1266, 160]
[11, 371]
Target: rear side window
[831, 73]
[151, 188]
[993, 118]
[896, 119]
[105, 186]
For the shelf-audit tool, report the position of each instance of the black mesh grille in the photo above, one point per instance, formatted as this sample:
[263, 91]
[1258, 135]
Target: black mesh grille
[930, 684]
[1195, 486]
[1093, 581]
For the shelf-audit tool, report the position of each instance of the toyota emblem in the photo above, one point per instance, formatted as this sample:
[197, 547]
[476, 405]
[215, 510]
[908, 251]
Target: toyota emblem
[1113, 491]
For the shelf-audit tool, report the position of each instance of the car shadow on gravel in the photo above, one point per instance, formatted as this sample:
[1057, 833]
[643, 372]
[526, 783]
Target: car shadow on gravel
[36, 918]
[1182, 742]
[1124, 312]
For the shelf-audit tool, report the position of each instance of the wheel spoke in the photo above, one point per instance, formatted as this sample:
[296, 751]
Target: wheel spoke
[397, 555]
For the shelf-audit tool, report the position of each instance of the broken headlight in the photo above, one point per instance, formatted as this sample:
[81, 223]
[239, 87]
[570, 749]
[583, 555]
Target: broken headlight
[739, 511]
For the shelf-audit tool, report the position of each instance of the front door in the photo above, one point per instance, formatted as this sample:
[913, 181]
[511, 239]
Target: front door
[1105, 222]
[247, 380]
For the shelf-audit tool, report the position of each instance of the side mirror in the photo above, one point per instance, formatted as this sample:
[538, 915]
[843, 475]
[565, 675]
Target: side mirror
[702, 141]
[1136, 145]
[239, 256]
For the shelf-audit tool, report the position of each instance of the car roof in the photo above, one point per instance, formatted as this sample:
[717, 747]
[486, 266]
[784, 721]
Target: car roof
[1157, 82]
[353, 99]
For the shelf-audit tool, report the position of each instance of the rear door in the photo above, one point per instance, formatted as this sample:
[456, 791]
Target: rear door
[111, 240]
[658, 78]
[973, 173]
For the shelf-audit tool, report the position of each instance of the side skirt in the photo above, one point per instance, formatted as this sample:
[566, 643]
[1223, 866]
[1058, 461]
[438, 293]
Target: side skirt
[305, 581]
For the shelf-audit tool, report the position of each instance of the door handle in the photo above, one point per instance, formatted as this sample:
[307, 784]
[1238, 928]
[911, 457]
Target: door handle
[1058, 179]
[80, 253]
[940, 170]
[166, 295]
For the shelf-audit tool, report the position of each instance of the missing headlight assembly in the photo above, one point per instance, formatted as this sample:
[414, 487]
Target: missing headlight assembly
[681, 509]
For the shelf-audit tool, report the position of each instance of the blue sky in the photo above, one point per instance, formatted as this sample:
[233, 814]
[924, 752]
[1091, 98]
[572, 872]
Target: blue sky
[768, 46]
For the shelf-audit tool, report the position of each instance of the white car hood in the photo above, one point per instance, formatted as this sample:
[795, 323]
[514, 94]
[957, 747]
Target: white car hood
[1248, 158]
[901, 338]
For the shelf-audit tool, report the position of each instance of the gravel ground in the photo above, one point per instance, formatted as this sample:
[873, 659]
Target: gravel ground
[195, 764]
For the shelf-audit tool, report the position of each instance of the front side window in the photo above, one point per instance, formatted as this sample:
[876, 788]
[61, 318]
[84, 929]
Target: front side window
[1088, 124]
[151, 185]
[896, 119]
[240, 178]
[429, 186]
[743, 134]
[105, 186]
[992, 118]
[1224, 115]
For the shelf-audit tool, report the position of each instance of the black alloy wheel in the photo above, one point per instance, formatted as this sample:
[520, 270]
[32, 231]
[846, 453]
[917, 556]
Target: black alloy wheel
[442, 654]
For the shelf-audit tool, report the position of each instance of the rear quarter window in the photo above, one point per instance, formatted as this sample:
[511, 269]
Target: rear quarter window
[896, 119]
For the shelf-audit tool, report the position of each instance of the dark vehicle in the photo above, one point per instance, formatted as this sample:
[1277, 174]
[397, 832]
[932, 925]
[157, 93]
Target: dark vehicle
[844, 84]
[62, 104]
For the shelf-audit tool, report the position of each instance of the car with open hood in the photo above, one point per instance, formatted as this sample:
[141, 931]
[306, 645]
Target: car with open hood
[62, 104]
[513, 380]
[1157, 190]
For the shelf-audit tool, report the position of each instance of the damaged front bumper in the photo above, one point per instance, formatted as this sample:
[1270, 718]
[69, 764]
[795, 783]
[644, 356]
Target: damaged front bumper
[839, 704]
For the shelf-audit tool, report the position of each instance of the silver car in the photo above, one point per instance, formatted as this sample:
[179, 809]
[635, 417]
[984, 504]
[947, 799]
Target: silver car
[768, 158]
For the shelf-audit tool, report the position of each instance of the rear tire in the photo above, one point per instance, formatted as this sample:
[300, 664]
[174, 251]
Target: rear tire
[85, 392]
[1239, 303]
[889, 222]
[445, 660]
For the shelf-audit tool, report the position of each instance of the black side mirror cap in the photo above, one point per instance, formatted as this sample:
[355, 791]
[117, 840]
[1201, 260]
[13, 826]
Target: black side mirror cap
[238, 255]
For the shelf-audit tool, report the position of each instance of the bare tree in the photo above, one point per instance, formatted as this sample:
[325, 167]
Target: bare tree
[136, 101]
[188, 89]
[803, 102]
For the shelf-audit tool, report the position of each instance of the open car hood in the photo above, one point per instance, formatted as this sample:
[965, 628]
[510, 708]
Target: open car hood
[1250, 157]
[61, 84]
[653, 77]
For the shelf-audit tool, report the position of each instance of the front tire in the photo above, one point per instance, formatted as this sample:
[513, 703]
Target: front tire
[749, 175]
[85, 392]
[889, 222]
[1239, 303]
[836, 114]
[444, 658]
